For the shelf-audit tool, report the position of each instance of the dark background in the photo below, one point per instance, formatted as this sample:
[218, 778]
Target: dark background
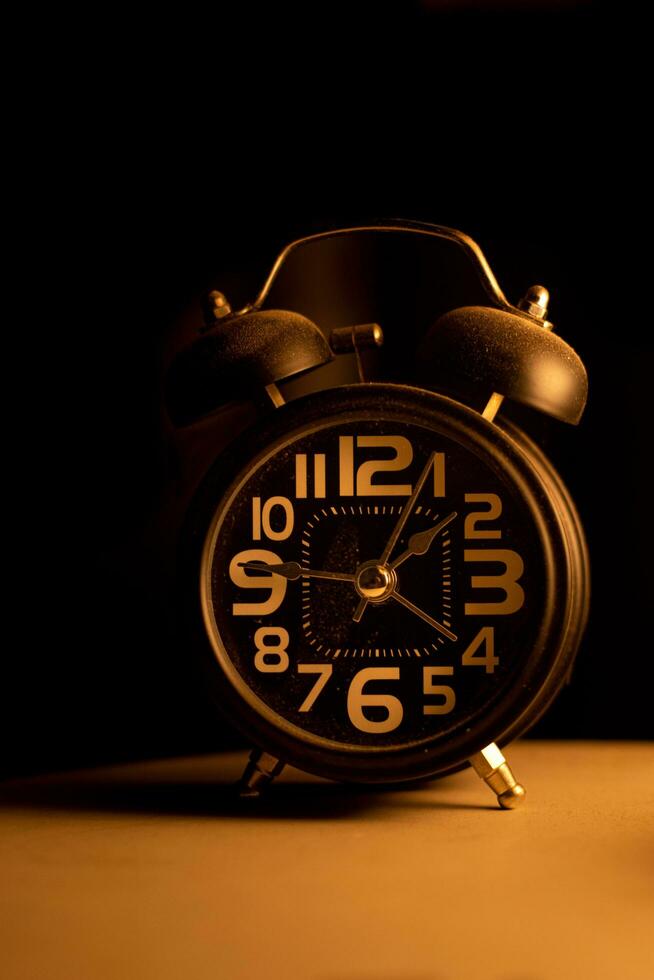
[173, 155]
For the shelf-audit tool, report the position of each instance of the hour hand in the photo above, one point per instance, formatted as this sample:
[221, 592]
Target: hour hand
[291, 570]
[420, 542]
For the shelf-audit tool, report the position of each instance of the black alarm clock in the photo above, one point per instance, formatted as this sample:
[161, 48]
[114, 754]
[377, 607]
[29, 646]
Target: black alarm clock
[380, 579]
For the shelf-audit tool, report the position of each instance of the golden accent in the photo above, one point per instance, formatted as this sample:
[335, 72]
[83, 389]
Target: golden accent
[346, 466]
[441, 690]
[493, 406]
[345, 340]
[439, 474]
[275, 395]
[300, 475]
[534, 302]
[470, 530]
[491, 766]
[217, 305]
[324, 672]
[319, 480]
[439, 231]
[374, 581]
[259, 772]
[507, 581]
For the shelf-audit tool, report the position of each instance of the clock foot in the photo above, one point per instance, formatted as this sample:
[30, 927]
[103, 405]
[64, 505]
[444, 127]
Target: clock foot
[491, 766]
[260, 771]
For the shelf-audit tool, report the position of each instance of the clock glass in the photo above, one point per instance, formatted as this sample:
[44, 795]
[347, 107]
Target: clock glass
[378, 576]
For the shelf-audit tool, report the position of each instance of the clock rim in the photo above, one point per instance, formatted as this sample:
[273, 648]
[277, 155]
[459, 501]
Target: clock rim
[548, 664]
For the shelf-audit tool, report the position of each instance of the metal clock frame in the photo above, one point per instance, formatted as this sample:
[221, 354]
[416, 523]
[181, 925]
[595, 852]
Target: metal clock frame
[547, 665]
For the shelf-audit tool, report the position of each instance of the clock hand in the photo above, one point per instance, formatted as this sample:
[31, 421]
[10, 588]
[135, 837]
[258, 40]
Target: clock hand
[291, 570]
[423, 615]
[420, 542]
[397, 530]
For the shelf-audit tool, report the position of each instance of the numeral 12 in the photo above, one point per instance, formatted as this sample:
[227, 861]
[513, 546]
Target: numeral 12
[358, 480]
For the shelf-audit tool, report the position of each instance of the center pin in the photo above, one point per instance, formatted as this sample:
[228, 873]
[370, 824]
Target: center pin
[375, 581]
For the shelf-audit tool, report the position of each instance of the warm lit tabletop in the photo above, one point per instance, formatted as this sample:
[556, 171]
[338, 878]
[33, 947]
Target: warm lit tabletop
[153, 872]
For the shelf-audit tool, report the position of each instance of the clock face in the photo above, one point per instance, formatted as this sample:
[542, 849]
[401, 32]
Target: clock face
[374, 579]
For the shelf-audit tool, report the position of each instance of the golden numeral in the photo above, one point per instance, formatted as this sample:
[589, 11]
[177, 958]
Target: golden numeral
[440, 690]
[357, 700]
[439, 474]
[324, 672]
[471, 530]
[366, 470]
[487, 659]
[271, 657]
[507, 582]
[247, 579]
[261, 518]
[301, 477]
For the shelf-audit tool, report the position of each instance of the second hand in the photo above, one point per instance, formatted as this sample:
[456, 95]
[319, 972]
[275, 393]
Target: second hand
[397, 530]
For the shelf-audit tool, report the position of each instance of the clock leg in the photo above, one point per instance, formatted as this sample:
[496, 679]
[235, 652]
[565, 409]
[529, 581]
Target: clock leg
[260, 771]
[491, 766]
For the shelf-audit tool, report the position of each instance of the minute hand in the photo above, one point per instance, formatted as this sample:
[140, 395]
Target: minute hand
[397, 530]
[420, 542]
[423, 615]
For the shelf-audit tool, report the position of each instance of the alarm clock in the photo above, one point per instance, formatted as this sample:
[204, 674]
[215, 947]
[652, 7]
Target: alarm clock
[380, 579]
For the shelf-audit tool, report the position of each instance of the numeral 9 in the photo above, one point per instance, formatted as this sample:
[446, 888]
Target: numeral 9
[248, 579]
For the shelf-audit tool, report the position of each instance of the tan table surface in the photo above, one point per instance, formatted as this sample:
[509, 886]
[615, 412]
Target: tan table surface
[151, 871]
